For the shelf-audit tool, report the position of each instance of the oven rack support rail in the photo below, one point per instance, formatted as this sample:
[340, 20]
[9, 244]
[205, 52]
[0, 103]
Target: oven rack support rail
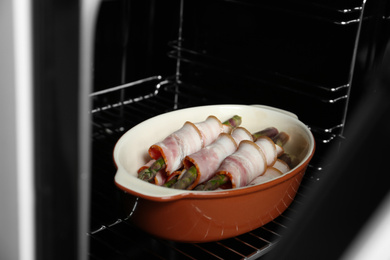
[168, 84]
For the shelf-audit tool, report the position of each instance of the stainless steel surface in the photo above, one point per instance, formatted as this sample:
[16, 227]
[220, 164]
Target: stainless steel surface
[88, 18]
[16, 150]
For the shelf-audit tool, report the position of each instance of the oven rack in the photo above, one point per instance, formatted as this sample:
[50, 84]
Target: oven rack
[217, 76]
[333, 13]
[111, 234]
[329, 94]
[166, 95]
[210, 52]
[139, 100]
[122, 240]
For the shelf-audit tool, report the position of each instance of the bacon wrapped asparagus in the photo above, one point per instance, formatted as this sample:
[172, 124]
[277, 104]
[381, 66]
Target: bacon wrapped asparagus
[279, 168]
[160, 176]
[202, 165]
[249, 161]
[172, 179]
[170, 152]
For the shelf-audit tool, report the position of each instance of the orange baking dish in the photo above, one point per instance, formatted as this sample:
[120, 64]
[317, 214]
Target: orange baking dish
[204, 216]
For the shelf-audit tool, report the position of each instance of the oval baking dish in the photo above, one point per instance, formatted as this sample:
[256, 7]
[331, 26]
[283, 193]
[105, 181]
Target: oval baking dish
[204, 216]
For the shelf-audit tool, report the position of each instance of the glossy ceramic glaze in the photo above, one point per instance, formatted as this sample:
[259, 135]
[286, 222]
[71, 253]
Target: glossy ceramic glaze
[198, 216]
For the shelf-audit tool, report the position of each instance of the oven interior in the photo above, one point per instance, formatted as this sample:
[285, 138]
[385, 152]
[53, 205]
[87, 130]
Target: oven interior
[151, 57]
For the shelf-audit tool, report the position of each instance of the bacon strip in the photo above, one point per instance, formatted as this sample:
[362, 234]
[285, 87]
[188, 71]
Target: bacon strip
[240, 133]
[244, 165]
[279, 150]
[208, 159]
[281, 166]
[269, 149]
[269, 174]
[185, 141]
[249, 161]
[210, 129]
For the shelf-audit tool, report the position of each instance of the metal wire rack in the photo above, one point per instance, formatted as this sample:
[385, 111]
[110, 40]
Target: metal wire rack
[111, 235]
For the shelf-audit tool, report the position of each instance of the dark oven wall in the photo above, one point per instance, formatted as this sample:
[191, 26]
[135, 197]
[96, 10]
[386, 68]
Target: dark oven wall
[131, 40]
[292, 55]
[308, 57]
[296, 55]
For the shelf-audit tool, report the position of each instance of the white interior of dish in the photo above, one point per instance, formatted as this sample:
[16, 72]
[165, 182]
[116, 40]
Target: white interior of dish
[131, 150]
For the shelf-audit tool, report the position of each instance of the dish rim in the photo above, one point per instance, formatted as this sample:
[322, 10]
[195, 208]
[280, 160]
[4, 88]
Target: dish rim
[192, 194]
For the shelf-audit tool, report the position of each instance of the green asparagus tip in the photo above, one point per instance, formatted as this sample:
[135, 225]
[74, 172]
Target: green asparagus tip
[233, 121]
[145, 175]
[149, 173]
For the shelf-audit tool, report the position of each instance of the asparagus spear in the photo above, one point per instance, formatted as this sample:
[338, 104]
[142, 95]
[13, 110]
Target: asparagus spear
[212, 184]
[221, 179]
[159, 164]
[149, 173]
[281, 139]
[271, 132]
[233, 121]
[171, 182]
[188, 177]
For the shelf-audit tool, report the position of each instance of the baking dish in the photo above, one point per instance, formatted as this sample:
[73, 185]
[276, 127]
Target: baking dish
[204, 216]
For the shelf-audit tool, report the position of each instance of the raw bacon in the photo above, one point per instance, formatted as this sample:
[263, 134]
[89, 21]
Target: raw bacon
[185, 141]
[210, 130]
[270, 173]
[269, 149]
[240, 133]
[279, 150]
[208, 159]
[249, 161]
[244, 165]
[281, 166]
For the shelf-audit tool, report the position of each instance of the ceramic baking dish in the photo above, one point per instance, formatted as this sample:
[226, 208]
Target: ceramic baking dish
[204, 216]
